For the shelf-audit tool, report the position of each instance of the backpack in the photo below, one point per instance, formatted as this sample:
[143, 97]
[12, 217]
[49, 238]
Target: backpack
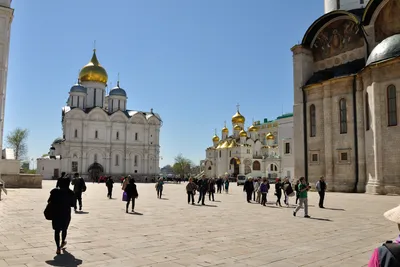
[394, 249]
[83, 185]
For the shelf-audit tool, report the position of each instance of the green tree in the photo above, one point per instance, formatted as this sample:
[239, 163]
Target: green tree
[182, 165]
[17, 141]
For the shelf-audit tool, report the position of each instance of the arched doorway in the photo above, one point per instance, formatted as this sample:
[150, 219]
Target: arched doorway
[95, 170]
[235, 162]
[256, 165]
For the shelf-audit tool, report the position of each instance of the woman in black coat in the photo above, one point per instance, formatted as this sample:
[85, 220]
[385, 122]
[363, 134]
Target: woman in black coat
[61, 200]
[278, 191]
[132, 194]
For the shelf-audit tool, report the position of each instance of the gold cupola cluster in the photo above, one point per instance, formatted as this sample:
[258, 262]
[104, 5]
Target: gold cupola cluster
[237, 127]
[93, 71]
[270, 136]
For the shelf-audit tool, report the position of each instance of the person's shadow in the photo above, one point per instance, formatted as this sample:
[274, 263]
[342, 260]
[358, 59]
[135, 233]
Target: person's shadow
[65, 259]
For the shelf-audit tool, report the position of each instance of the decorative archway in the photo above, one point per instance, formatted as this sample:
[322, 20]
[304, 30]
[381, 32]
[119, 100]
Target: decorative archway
[95, 170]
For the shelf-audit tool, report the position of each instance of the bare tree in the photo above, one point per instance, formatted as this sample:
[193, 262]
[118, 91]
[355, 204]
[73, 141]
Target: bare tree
[182, 165]
[17, 141]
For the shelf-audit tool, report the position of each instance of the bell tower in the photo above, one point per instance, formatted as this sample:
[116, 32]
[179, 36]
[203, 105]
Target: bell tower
[332, 5]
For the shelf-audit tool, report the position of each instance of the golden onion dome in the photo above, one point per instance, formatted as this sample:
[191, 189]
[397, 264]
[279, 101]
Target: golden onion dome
[238, 118]
[270, 136]
[253, 128]
[225, 130]
[237, 127]
[243, 133]
[215, 138]
[93, 71]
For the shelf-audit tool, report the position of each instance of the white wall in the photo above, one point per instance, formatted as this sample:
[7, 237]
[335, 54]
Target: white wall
[46, 167]
[331, 5]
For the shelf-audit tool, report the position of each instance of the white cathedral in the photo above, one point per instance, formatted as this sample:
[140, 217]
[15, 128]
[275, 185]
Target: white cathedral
[100, 135]
[264, 150]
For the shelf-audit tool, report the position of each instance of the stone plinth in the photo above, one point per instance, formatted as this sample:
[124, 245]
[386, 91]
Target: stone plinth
[22, 180]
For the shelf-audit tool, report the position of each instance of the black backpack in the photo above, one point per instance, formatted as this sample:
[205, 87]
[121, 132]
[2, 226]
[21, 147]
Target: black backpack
[394, 249]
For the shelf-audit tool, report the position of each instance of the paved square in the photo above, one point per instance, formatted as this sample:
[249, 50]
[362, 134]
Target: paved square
[229, 232]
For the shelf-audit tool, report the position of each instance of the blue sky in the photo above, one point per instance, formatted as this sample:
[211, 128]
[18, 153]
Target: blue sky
[190, 60]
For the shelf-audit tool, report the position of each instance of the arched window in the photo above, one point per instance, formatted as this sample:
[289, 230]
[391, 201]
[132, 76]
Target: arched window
[256, 166]
[96, 134]
[116, 160]
[313, 122]
[343, 115]
[135, 160]
[95, 157]
[117, 136]
[76, 133]
[220, 153]
[367, 122]
[392, 105]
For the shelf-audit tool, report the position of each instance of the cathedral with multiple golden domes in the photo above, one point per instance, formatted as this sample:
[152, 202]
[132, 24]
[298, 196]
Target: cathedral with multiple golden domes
[262, 150]
[100, 135]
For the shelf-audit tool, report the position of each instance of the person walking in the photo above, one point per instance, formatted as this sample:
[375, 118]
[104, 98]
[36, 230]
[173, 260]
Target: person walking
[296, 188]
[211, 189]
[159, 187]
[264, 191]
[278, 191]
[203, 186]
[226, 185]
[388, 255]
[110, 185]
[256, 184]
[321, 188]
[61, 200]
[303, 189]
[288, 190]
[191, 188]
[219, 185]
[125, 182]
[248, 188]
[132, 194]
[79, 187]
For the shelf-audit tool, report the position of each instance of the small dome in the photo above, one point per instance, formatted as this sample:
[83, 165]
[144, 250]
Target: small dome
[238, 118]
[243, 133]
[93, 71]
[77, 88]
[118, 92]
[215, 138]
[225, 130]
[270, 136]
[253, 128]
[387, 49]
[237, 128]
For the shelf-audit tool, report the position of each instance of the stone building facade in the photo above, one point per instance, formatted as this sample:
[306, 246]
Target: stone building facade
[346, 99]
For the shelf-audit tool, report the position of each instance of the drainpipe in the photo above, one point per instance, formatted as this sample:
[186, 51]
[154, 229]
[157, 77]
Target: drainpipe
[305, 135]
[355, 134]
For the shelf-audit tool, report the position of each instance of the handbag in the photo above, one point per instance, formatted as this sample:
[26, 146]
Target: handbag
[124, 196]
[48, 211]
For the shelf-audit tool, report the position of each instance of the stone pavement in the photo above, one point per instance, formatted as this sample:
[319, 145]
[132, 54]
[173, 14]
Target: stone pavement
[169, 232]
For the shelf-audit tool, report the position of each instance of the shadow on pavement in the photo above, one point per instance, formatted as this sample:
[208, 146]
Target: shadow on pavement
[206, 205]
[333, 209]
[163, 198]
[64, 259]
[81, 212]
[319, 219]
[136, 213]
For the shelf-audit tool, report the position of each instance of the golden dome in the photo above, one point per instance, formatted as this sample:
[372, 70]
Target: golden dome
[237, 128]
[253, 128]
[215, 138]
[243, 133]
[93, 71]
[270, 136]
[225, 130]
[238, 118]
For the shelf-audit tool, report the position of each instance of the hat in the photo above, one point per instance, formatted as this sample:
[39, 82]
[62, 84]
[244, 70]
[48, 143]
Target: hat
[393, 215]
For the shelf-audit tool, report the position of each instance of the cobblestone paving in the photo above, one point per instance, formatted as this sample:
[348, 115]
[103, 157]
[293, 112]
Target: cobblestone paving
[169, 232]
